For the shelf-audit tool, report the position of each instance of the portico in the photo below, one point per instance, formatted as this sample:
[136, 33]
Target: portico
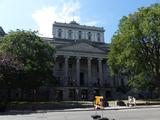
[81, 73]
[76, 67]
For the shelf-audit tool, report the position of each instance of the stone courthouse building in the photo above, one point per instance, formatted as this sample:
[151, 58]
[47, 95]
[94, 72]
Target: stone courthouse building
[81, 67]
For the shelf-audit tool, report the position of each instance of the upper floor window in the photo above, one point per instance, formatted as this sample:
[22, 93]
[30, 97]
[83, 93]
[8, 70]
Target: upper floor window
[89, 35]
[80, 35]
[70, 65]
[70, 34]
[59, 33]
[60, 65]
[98, 37]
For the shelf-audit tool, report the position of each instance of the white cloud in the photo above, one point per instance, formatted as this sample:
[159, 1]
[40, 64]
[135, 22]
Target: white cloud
[45, 17]
[64, 12]
[92, 23]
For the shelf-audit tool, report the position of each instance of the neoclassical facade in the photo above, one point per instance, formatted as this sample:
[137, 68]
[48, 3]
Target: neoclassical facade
[81, 67]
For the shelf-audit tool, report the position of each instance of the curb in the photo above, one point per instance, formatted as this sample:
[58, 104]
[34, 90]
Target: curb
[107, 108]
[84, 109]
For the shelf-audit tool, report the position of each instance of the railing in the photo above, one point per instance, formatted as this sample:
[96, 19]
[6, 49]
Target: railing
[74, 84]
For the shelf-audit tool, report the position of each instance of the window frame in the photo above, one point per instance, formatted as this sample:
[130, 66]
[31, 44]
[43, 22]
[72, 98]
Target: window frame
[89, 34]
[70, 34]
[60, 33]
[98, 37]
[80, 35]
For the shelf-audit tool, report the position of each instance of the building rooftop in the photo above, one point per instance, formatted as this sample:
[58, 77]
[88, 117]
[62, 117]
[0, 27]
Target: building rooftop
[74, 24]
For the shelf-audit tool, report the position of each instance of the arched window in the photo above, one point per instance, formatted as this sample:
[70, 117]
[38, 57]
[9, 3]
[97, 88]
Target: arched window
[80, 35]
[98, 37]
[89, 35]
[59, 33]
[70, 34]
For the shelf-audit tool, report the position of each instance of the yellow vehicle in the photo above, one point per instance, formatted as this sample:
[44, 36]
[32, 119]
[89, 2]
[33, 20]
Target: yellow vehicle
[99, 102]
[98, 105]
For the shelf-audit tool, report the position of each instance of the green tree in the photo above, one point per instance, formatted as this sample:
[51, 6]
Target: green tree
[36, 55]
[135, 48]
[10, 68]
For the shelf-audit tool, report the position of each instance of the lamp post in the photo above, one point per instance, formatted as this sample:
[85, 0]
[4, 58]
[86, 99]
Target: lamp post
[8, 92]
[34, 100]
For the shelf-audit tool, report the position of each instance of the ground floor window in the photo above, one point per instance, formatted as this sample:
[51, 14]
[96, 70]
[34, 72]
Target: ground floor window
[72, 94]
[84, 94]
[108, 95]
[59, 95]
[96, 92]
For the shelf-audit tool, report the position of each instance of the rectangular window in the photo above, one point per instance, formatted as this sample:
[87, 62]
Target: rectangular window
[70, 34]
[79, 35]
[89, 35]
[59, 33]
[98, 37]
[60, 65]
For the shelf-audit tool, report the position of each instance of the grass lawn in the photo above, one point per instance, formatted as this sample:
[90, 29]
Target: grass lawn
[138, 102]
[71, 104]
[50, 105]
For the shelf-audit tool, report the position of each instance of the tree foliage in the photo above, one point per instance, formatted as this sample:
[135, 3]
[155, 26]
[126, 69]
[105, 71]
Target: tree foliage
[10, 69]
[35, 54]
[135, 48]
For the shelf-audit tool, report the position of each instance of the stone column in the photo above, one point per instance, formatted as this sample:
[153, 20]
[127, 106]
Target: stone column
[66, 71]
[100, 71]
[89, 71]
[78, 70]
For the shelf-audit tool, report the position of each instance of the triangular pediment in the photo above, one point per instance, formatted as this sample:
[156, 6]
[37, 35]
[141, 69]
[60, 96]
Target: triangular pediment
[84, 47]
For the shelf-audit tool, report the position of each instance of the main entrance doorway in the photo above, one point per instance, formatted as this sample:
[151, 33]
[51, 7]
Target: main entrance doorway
[81, 79]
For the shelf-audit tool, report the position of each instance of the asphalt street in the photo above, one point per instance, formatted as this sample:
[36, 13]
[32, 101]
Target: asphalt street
[126, 114]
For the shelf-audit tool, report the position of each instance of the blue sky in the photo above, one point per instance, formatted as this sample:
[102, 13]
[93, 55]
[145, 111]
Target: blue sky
[41, 14]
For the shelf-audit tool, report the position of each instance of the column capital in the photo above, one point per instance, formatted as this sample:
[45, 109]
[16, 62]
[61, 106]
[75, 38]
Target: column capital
[78, 57]
[100, 59]
[66, 56]
[55, 57]
[89, 58]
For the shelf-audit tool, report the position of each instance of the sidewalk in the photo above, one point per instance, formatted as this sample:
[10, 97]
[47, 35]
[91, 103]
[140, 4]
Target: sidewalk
[85, 109]
[106, 108]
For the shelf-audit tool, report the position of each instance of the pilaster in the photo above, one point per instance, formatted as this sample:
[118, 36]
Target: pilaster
[89, 71]
[66, 70]
[100, 71]
[78, 70]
